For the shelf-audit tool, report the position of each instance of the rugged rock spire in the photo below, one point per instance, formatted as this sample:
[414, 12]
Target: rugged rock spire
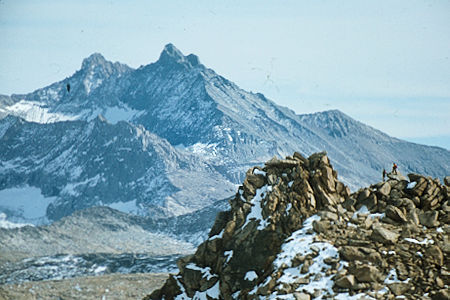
[171, 54]
[295, 231]
[93, 59]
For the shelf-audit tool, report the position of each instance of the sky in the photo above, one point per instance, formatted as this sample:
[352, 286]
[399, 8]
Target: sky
[384, 63]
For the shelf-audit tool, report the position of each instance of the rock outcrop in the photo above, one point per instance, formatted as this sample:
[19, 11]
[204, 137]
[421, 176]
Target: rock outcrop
[295, 232]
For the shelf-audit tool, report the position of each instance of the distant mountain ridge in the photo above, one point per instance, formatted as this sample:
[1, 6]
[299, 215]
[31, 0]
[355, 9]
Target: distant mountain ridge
[93, 163]
[205, 131]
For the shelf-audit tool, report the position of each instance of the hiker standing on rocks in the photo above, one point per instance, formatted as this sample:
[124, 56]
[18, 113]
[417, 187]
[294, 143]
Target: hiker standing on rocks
[394, 168]
[384, 174]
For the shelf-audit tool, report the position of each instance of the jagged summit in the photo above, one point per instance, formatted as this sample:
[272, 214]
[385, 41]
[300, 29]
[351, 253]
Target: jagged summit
[97, 67]
[170, 51]
[92, 60]
[171, 54]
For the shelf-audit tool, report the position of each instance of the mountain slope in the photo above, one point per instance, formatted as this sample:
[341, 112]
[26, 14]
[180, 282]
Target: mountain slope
[80, 164]
[93, 230]
[366, 150]
[205, 119]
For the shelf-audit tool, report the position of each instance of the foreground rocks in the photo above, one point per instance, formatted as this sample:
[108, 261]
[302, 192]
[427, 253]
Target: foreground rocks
[295, 231]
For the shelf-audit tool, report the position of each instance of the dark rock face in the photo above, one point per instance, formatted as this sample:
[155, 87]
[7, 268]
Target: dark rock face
[293, 231]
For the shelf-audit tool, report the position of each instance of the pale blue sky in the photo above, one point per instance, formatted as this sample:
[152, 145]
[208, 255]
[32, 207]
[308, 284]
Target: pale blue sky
[385, 63]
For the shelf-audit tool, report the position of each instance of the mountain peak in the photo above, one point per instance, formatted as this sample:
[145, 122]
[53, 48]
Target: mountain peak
[171, 53]
[93, 59]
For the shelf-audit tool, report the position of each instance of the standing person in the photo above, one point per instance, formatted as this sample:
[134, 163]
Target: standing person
[384, 174]
[394, 168]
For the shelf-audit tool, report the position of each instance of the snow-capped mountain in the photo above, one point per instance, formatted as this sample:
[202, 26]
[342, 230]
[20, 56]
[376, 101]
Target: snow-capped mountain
[193, 114]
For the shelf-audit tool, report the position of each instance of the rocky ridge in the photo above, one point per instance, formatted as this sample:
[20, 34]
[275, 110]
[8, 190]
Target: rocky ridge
[295, 232]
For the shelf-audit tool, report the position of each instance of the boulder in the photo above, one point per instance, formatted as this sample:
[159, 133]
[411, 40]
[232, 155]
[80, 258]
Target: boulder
[394, 213]
[321, 226]
[383, 235]
[399, 288]
[429, 218]
[420, 187]
[362, 195]
[385, 189]
[435, 255]
[345, 282]
[367, 273]
[447, 181]
[443, 294]
[301, 296]
[353, 253]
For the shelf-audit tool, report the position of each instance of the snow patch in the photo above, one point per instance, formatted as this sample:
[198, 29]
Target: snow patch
[256, 210]
[211, 293]
[393, 278]
[100, 270]
[207, 150]
[424, 242]
[259, 172]
[36, 112]
[250, 276]
[288, 208]
[302, 242]
[411, 185]
[9, 225]
[115, 114]
[205, 271]
[363, 210]
[217, 236]
[228, 255]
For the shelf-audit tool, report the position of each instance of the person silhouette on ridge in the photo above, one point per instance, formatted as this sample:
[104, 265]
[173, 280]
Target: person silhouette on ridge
[394, 168]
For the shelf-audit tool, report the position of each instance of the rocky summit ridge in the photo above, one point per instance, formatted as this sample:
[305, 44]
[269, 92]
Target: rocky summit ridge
[294, 231]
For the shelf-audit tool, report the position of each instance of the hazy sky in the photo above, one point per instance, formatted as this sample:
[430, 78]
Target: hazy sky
[385, 63]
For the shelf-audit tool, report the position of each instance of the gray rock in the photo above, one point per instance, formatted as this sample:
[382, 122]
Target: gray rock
[429, 218]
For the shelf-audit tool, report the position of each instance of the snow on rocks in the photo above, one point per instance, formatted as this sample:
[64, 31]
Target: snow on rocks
[295, 232]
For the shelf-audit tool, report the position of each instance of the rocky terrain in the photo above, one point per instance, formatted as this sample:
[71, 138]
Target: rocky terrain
[108, 287]
[94, 230]
[101, 240]
[295, 232]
